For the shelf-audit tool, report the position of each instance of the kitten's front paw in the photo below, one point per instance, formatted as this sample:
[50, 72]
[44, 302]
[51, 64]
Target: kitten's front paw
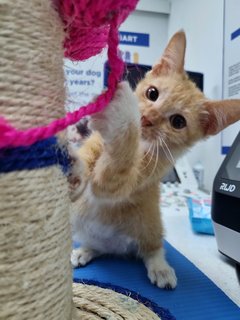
[81, 256]
[163, 277]
[122, 111]
[159, 271]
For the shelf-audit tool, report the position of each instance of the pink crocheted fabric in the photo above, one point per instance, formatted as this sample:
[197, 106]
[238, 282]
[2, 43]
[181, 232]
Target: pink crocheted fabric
[90, 26]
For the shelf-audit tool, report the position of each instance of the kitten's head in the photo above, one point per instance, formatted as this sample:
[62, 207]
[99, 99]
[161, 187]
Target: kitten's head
[174, 111]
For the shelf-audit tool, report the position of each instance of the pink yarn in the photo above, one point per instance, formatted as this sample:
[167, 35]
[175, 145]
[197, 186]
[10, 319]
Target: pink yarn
[90, 26]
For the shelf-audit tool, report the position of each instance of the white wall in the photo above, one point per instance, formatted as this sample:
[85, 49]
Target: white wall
[231, 61]
[156, 6]
[152, 23]
[202, 21]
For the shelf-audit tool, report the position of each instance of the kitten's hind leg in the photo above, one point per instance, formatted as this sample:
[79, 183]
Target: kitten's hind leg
[159, 271]
[81, 256]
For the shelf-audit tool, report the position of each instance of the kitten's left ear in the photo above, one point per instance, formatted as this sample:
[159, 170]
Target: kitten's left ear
[173, 56]
[219, 114]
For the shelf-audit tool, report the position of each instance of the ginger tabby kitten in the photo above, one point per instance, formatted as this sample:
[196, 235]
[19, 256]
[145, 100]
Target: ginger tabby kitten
[116, 175]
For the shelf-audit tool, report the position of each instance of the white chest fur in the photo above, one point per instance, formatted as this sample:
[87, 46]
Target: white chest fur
[91, 232]
[105, 239]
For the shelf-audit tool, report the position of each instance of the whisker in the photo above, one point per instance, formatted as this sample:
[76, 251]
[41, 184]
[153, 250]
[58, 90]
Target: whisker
[151, 155]
[149, 161]
[156, 159]
[167, 151]
[170, 153]
[145, 154]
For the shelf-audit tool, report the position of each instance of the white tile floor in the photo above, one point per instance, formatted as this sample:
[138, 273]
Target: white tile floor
[201, 250]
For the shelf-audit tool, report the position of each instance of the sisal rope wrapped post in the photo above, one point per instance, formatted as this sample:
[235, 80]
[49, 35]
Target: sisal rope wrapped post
[35, 272]
[35, 241]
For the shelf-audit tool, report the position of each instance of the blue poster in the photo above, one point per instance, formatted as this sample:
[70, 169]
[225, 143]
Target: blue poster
[134, 38]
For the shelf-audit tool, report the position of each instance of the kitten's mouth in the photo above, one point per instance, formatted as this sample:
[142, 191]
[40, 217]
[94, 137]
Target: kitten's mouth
[145, 122]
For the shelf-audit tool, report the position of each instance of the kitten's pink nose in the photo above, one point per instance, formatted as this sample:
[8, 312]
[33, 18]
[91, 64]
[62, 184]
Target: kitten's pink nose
[145, 122]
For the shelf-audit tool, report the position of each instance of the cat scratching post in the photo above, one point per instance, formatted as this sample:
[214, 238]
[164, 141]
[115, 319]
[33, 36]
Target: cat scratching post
[35, 241]
[35, 273]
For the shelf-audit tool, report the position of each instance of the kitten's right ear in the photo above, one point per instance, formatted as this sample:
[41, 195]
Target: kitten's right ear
[173, 56]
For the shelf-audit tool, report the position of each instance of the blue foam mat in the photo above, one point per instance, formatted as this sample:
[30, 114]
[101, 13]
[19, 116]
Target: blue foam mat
[195, 298]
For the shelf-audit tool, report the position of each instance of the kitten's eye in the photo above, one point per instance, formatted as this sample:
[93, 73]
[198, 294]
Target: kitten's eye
[152, 93]
[178, 121]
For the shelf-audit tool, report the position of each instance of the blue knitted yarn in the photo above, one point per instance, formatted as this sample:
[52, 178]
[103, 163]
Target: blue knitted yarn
[163, 313]
[39, 155]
